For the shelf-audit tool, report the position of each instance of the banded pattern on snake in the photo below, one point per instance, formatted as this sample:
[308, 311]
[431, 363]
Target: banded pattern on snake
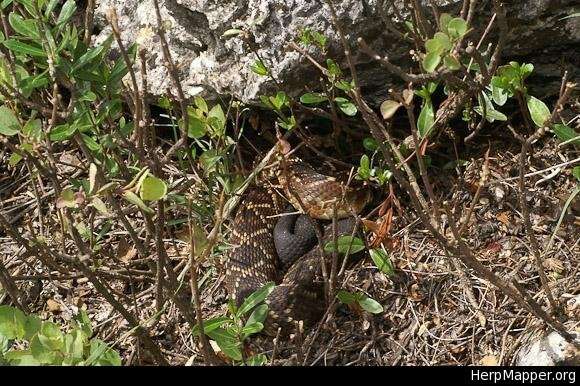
[267, 247]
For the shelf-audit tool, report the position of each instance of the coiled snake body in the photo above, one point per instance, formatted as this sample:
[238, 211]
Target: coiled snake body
[267, 247]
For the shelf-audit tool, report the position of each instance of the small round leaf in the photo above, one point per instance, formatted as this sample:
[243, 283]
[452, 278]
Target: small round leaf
[431, 61]
[153, 189]
[389, 108]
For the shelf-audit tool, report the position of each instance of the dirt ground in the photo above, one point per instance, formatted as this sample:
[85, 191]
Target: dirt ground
[427, 319]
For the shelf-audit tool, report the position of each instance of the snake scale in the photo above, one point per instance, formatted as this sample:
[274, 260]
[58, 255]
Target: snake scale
[267, 247]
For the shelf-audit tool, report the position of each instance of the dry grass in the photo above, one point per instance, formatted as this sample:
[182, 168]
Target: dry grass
[427, 320]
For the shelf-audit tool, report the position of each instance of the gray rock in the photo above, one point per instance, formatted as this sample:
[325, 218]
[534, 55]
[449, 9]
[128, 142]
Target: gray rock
[211, 65]
[549, 350]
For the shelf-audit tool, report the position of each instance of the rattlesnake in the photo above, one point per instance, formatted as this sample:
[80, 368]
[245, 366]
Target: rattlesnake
[267, 247]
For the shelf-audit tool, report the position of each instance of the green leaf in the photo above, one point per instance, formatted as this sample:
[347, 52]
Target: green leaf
[66, 12]
[333, 68]
[91, 55]
[382, 261]
[21, 358]
[280, 100]
[62, 132]
[457, 27]
[499, 95]
[232, 307]
[23, 48]
[209, 160]
[91, 143]
[444, 20]
[109, 358]
[31, 83]
[539, 112]
[289, 123]
[50, 7]
[451, 63]
[370, 144]
[255, 298]
[197, 128]
[426, 119]
[305, 36]
[50, 336]
[566, 133]
[33, 129]
[266, 102]
[389, 108]
[14, 159]
[227, 342]
[5, 344]
[211, 324]
[364, 170]
[257, 360]
[250, 329]
[101, 354]
[491, 114]
[370, 305]
[346, 297]
[31, 326]
[383, 176]
[153, 189]
[26, 28]
[576, 172]
[346, 106]
[344, 244]
[365, 162]
[320, 39]
[431, 87]
[511, 77]
[431, 61]
[217, 114]
[259, 68]
[96, 351]
[313, 98]
[134, 199]
[344, 85]
[84, 322]
[439, 44]
[74, 344]
[66, 199]
[201, 104]
[526, 69]
[9, 124]
[258, 315]
[12, 322]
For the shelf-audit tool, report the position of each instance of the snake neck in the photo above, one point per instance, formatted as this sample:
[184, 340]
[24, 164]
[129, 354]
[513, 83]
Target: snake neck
[319, 195]
[310, 191]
